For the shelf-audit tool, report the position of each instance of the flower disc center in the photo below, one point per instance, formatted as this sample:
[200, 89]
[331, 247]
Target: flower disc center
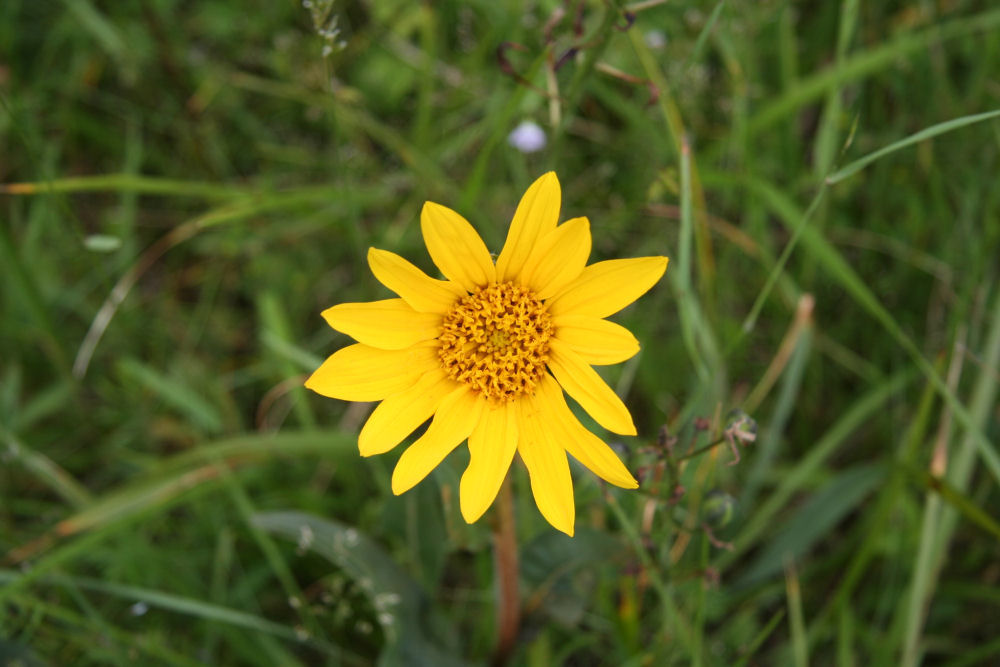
[496, 340]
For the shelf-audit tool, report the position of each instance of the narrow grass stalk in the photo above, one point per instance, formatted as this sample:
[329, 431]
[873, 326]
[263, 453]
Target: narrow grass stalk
[758, 304]
[789, 364]
[699, 44]
[796, 619]
[761, 637]
[282, 572]
[675, 627]
[676, 132]
[46, 470]
[939, 522]
[685, 268]
[134, 183]
[825, 145]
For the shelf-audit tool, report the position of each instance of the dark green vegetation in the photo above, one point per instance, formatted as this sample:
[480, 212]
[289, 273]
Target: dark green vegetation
[204, 180]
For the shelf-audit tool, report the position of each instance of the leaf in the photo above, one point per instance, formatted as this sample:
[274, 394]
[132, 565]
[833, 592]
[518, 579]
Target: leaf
[171, 479]
[814, 520]
[179, 604]
[401, 607]
[13, 653]
[562, 570]
[418, 514]
[175, 393]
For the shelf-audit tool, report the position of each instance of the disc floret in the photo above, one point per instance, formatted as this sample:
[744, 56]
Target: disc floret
[496, 340]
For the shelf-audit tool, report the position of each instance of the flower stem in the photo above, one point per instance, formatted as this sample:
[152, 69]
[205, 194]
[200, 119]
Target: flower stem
[505, 557]
[700, 450]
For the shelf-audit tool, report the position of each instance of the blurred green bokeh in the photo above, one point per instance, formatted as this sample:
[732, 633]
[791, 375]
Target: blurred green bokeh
[188, 184]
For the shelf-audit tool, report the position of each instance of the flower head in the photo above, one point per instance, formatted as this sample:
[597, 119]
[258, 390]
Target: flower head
[488, 351]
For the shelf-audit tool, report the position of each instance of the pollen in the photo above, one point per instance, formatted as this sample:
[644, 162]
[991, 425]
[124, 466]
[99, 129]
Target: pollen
[496, 340]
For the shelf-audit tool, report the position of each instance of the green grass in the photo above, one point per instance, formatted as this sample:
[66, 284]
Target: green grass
[185, 186]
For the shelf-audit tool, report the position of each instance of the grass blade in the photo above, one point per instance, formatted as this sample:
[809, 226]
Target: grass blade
[865, 63]
[135, 183]
[863, 409]
[838, 268]
[175, 603]
[922, 135]
[796, 619]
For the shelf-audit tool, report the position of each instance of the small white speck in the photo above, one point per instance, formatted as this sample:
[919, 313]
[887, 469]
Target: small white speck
[384, 600]
[528, 137]
[351, 537]
[305, 537]
[655, 39]
[694, 17]
[102, 243]
[139, 609]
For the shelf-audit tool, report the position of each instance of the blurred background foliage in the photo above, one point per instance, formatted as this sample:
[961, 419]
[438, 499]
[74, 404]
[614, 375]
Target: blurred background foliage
[188, 184]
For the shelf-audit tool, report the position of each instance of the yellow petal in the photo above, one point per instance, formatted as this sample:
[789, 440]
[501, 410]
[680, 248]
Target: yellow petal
[400, 414]
[548, 468]
[456, 248]
[389, 324]
[536, 215]
[558, 258]
[491, 449]
[581, 444]
[454, 420]
[597, 341]
[588, 389]
[606, 287]
[363, 373]
[420, 291]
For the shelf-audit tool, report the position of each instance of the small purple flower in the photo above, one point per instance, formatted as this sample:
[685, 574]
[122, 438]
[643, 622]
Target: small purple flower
[528, 137]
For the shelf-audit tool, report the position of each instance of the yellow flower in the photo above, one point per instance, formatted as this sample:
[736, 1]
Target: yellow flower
[488, 352]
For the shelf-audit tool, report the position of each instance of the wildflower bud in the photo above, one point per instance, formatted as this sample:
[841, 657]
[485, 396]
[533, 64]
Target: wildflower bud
[666, 440]
[741, 426]
[719, 508]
